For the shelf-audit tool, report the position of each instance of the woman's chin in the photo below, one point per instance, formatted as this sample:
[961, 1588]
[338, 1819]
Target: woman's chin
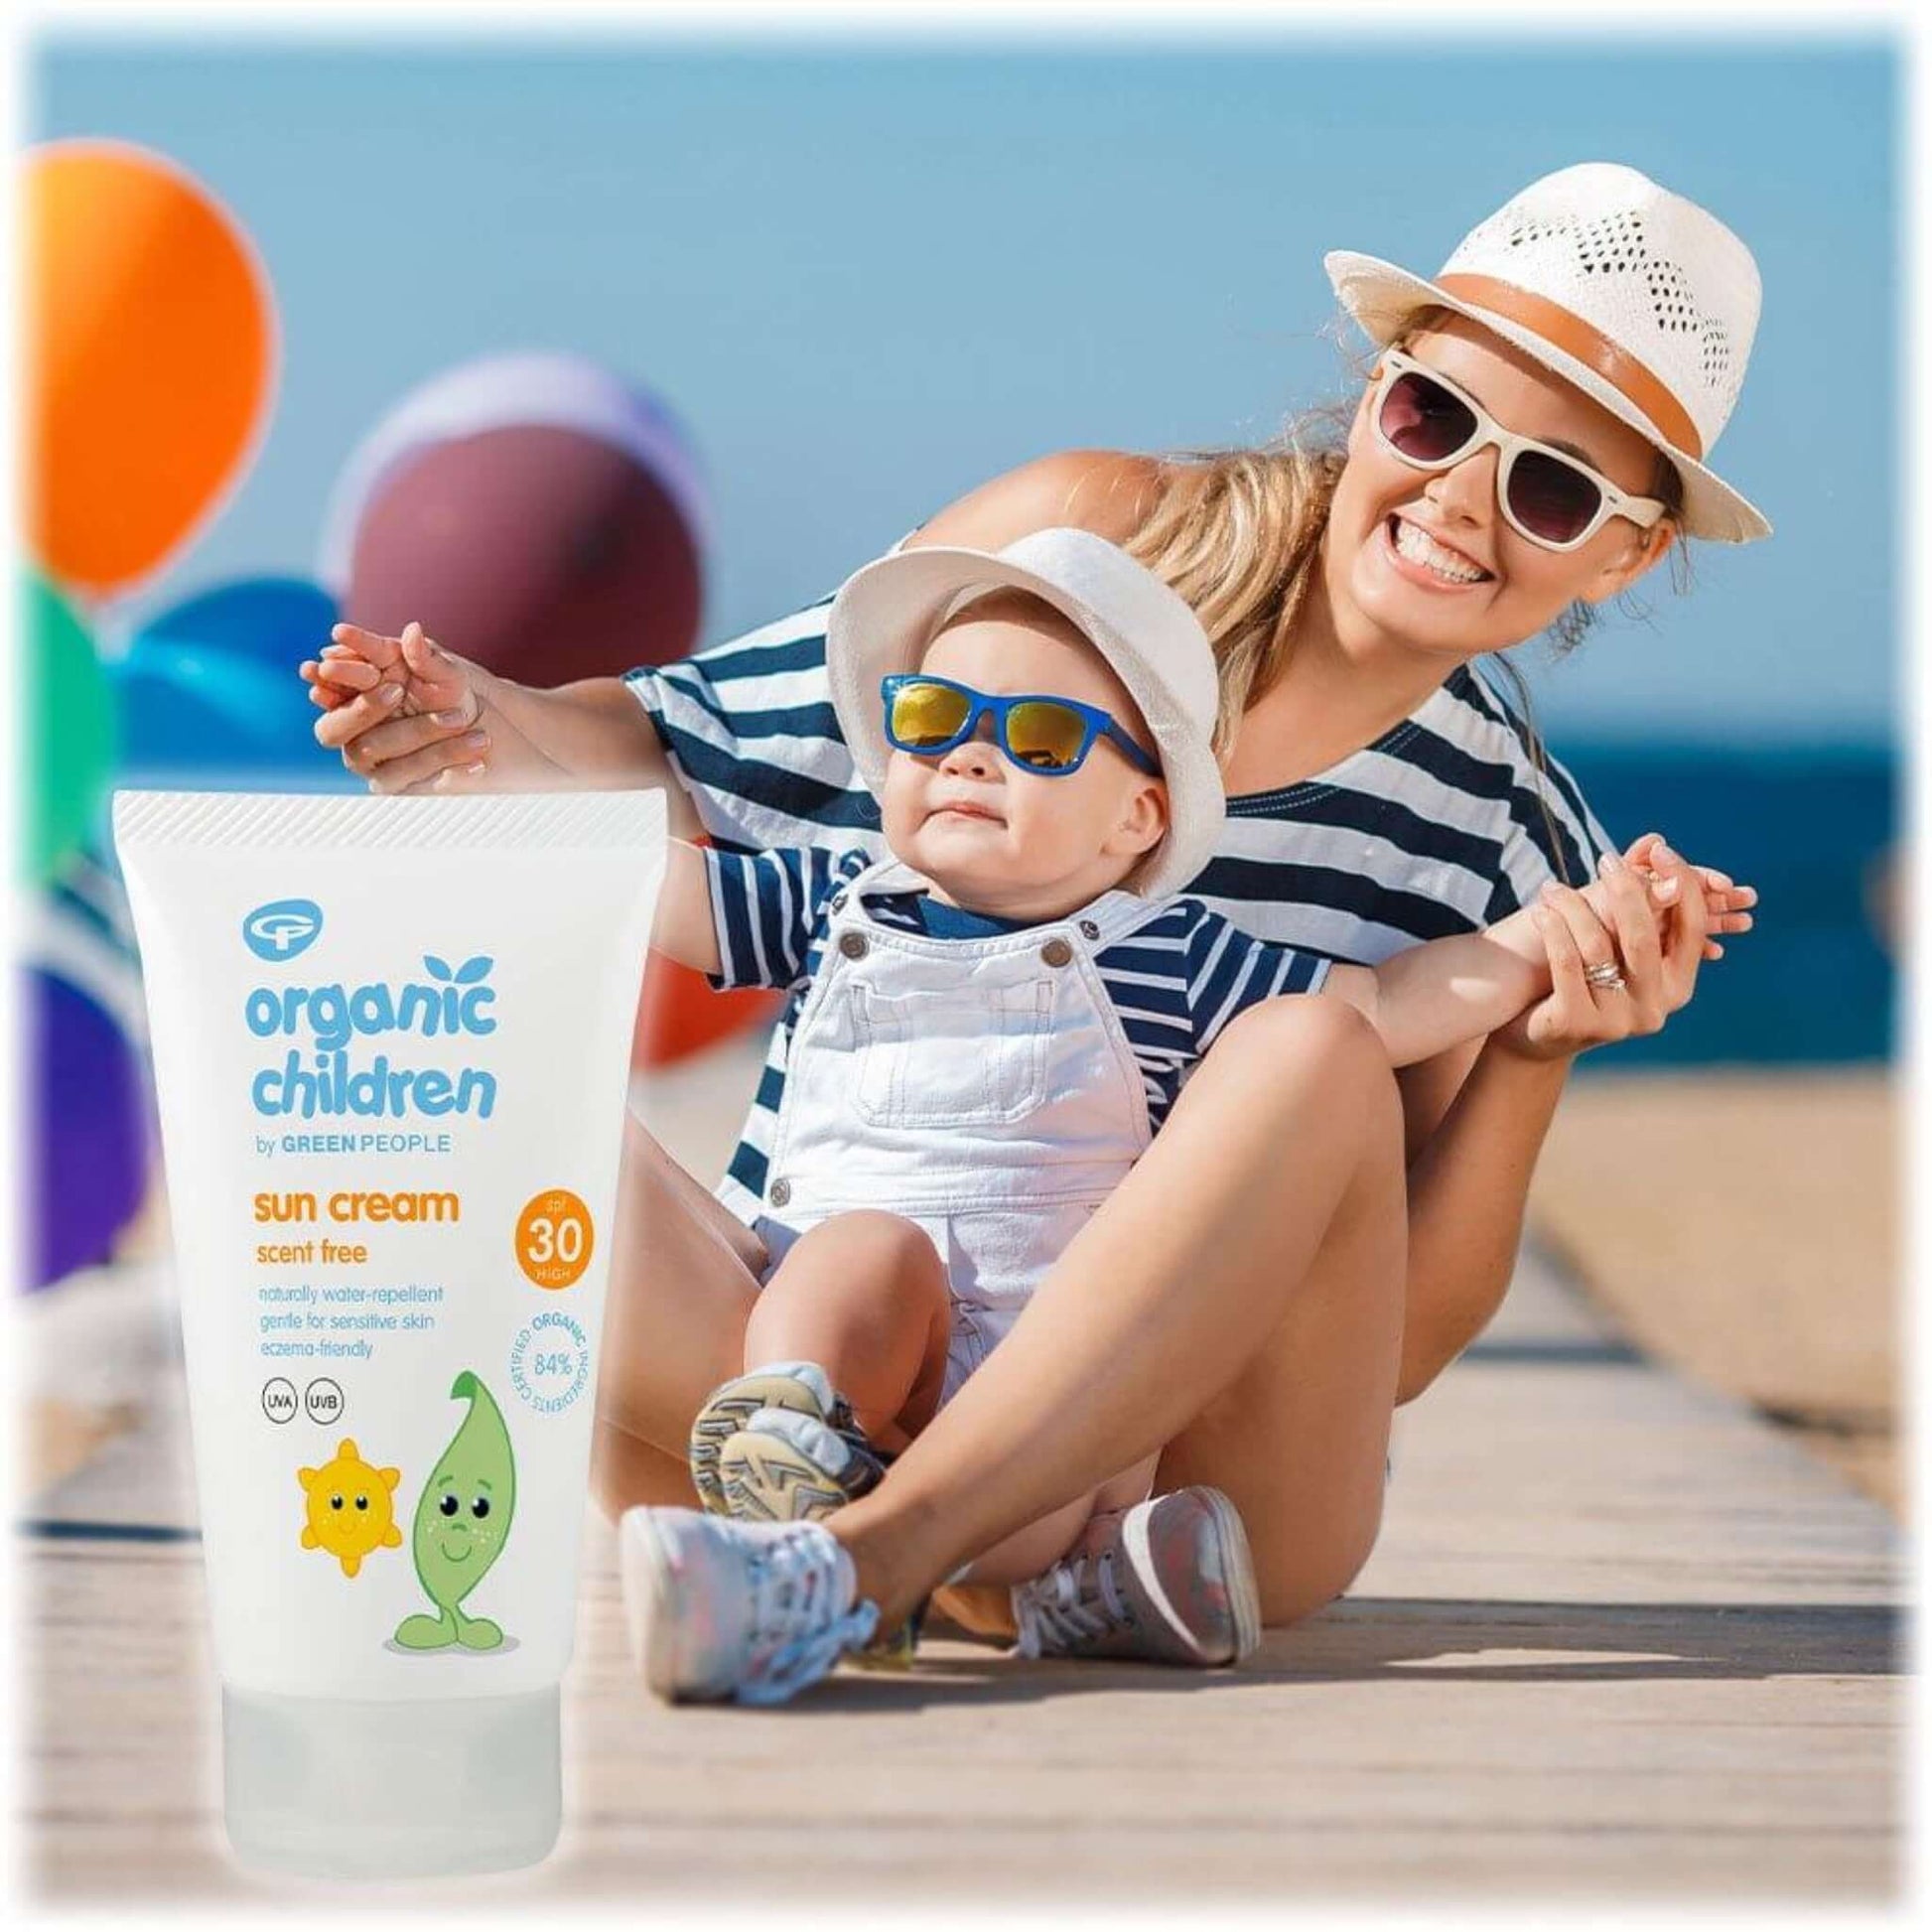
[1458, 621]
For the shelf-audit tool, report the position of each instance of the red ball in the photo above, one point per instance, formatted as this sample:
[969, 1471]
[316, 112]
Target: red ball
[544, 554]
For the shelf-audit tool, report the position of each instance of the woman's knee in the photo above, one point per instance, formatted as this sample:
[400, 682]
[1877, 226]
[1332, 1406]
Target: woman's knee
[1283, 1057]
[1327, 1037]
[1295, 1580]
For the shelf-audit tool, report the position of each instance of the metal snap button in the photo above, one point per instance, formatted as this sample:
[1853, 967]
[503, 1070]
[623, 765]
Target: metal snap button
[1088, 929]
[1056, 952]
[780, 1192]
[853, 946]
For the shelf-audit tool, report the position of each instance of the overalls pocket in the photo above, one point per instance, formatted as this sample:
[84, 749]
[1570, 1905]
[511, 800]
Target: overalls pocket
[964, 1057]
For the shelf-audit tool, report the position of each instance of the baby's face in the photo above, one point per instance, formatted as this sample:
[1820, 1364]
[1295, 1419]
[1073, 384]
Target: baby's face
[995, 837]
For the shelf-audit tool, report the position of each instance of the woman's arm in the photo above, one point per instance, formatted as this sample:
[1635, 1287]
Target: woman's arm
[1468, 1188]
[1469, 1183]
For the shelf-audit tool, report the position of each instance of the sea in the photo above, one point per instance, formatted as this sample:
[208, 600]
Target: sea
[1817, 831]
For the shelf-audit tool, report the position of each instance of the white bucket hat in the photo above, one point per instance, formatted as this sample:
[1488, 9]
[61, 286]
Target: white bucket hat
[887, 612]
[1643, 299]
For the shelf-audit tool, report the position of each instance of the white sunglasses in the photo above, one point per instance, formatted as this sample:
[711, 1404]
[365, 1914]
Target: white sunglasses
[1554, 500]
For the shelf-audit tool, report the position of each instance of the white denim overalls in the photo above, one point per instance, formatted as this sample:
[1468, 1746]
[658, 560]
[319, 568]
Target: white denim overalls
[982, 1088]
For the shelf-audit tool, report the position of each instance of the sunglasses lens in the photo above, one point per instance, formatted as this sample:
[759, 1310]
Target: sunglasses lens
[1423, 421]
[919, 715]
[1551, 500]
[1046, 735]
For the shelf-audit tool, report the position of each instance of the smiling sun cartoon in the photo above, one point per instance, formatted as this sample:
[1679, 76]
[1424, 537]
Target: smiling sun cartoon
[351, 1508]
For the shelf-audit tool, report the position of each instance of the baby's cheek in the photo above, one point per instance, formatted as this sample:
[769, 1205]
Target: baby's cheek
[898, 806]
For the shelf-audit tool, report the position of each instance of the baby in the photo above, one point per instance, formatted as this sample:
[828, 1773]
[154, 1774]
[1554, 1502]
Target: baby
[987, 1027]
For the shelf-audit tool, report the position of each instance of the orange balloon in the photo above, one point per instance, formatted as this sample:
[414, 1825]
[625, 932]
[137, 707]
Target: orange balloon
[152, 346]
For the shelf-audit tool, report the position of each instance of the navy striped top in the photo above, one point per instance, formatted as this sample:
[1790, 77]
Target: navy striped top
[1442, 825]
[1175, 977]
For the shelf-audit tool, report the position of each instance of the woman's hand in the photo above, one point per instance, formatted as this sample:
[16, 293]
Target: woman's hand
[1662, 913]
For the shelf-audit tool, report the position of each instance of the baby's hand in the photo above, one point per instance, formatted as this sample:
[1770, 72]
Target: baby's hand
[403, 713]
[421, 675]
[1726, 904]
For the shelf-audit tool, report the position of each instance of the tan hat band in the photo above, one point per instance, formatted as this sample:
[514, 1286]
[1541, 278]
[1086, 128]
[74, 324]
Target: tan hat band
[1575, 337]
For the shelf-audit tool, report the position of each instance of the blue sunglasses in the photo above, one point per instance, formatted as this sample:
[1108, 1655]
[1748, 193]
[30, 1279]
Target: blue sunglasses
[929, 715]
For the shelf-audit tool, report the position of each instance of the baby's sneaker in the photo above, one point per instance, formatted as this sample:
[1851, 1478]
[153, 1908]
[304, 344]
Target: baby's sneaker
[1168, 1581]
[800, 1388]
[750, 1611]
[789, 1463]
[786, 1464]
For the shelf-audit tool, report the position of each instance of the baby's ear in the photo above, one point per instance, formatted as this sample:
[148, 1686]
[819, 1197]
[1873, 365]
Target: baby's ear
[1145, 823]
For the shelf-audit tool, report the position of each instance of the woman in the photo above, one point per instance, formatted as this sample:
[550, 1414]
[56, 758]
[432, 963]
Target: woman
[1290, 1258]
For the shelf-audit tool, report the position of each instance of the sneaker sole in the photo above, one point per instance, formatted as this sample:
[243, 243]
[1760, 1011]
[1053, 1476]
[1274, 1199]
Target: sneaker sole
[764, 1479]
[725, 1414]
[1244, 1594]
[644, 1575]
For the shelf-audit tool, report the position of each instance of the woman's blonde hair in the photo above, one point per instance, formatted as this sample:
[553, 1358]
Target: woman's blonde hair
[1238, 533]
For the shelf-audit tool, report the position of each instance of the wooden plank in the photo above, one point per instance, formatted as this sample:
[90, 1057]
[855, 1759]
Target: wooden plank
[1618, 1640]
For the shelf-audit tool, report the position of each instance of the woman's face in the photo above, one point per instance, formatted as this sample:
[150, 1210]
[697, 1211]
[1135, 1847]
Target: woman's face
[1426, 557]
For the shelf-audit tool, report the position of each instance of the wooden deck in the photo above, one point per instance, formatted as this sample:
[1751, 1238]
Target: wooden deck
[1619, 1640]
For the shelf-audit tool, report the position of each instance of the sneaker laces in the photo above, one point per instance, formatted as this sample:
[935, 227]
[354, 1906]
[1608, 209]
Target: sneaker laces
[1076, 1602]
[795, 1579]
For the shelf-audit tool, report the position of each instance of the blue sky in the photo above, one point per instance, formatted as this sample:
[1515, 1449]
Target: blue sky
[870, 277]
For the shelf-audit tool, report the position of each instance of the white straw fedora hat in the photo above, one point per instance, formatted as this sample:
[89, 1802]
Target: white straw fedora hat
[1643, 299]
[887, 612]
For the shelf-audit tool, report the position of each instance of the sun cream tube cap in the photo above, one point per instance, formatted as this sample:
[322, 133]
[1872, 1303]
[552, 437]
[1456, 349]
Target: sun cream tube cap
[415, 1788]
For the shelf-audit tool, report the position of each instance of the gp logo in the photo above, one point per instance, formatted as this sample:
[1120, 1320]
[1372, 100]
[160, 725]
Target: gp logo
[282, 929]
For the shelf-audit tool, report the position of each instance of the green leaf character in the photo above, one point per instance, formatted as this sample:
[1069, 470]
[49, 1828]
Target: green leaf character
[463, 1521]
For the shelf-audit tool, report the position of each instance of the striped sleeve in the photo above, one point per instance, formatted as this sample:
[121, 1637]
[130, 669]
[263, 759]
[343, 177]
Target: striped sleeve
[1228, 970]
[1532, 853]
[750, 732]
[767, 906]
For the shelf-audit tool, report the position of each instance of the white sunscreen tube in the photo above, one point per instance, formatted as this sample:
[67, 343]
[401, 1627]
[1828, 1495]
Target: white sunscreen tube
[391, 1046]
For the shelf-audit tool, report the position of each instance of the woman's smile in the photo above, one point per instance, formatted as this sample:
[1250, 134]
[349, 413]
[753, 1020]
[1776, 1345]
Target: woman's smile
[1422, 557]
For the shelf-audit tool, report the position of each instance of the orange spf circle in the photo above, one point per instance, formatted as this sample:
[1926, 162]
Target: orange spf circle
[554, 1238]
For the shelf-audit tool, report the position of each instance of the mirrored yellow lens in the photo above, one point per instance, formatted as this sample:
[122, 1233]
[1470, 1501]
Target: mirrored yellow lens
[927, 714]
[1046, 735]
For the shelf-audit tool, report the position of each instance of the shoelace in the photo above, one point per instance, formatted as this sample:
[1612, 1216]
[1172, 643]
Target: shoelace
[794, 1579]
[1076, 1601]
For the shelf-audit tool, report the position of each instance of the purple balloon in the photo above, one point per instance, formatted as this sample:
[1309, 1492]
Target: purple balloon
[88, 1132]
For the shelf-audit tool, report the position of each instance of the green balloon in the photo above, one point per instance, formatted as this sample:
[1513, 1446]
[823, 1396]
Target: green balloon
[74, 735]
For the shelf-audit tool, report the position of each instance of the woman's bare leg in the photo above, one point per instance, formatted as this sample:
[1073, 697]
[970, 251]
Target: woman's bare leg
[685, 1276]
[864, 1296]
[1240, 1296]
[1020, 1557]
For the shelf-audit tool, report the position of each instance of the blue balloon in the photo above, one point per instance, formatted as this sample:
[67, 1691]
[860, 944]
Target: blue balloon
[209, 688]
[275, 620]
